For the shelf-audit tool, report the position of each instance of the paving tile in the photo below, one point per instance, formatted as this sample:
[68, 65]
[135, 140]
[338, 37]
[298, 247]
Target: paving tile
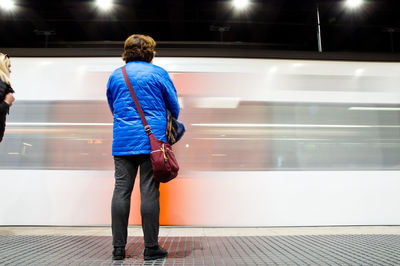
[325, 249]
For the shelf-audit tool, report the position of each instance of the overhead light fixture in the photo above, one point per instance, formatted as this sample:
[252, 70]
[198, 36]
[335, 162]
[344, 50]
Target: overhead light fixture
[241, 4]
[7, 5]
[104, 5]
[354, 3]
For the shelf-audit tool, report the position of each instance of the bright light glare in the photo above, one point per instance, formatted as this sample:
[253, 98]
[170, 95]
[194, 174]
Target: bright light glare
[7, 4]
[104, 4]
[359, 72]
[374, 108]
[241, 4]
[273, 70]
[354, 3]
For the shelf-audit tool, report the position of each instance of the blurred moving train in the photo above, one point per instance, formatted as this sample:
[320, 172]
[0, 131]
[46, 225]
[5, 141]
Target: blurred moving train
[268, 143]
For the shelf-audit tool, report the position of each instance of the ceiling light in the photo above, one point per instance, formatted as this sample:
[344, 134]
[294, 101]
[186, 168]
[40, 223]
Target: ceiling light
[104, 4]
[7, 4]
[354, 3]
[241, 4]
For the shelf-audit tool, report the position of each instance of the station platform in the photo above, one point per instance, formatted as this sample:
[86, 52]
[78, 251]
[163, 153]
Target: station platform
[365, 245]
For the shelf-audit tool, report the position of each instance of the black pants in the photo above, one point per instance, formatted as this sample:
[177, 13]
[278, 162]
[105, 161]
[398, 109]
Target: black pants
[126, 168]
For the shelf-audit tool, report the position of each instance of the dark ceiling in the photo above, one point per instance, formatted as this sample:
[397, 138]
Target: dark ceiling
[276, 24]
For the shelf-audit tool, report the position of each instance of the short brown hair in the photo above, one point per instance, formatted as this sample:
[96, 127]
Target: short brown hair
[139, 47]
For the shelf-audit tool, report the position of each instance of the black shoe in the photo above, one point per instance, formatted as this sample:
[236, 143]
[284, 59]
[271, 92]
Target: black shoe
[118, 253]
[154, 253]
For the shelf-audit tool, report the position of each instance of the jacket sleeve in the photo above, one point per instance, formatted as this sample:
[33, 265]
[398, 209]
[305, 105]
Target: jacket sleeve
[3, 90]
[4, 107]
[170, 95]
[109, 95]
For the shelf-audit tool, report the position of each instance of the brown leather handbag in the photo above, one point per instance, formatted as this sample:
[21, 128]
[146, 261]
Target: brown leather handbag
[163, 161]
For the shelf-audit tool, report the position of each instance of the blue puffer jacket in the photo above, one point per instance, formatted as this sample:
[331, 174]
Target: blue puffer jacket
[155, 92]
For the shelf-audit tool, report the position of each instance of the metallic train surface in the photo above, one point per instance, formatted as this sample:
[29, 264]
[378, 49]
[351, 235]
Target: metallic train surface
[268, 143]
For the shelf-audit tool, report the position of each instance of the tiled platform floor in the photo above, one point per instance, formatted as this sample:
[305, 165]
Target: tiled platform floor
[206, 246]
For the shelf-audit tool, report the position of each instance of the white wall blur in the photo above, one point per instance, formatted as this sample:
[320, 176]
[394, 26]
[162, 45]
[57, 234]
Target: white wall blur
[252, 198]
[271, 80]
[55, 197]
[290, 198]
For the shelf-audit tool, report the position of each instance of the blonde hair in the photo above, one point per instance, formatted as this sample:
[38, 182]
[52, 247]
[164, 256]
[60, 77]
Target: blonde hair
[138, 47]
[4, 72]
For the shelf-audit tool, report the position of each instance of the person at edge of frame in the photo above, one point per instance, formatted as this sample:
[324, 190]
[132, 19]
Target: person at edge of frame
[131, 146]
[6, 92]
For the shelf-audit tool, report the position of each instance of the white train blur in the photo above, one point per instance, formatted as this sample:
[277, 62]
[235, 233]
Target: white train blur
[268, 143]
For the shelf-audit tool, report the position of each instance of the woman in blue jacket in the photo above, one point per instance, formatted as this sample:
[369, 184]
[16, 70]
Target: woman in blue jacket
[131, 145]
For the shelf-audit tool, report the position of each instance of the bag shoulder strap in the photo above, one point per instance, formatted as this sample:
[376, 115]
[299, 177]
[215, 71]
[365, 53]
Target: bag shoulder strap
[136, 101]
